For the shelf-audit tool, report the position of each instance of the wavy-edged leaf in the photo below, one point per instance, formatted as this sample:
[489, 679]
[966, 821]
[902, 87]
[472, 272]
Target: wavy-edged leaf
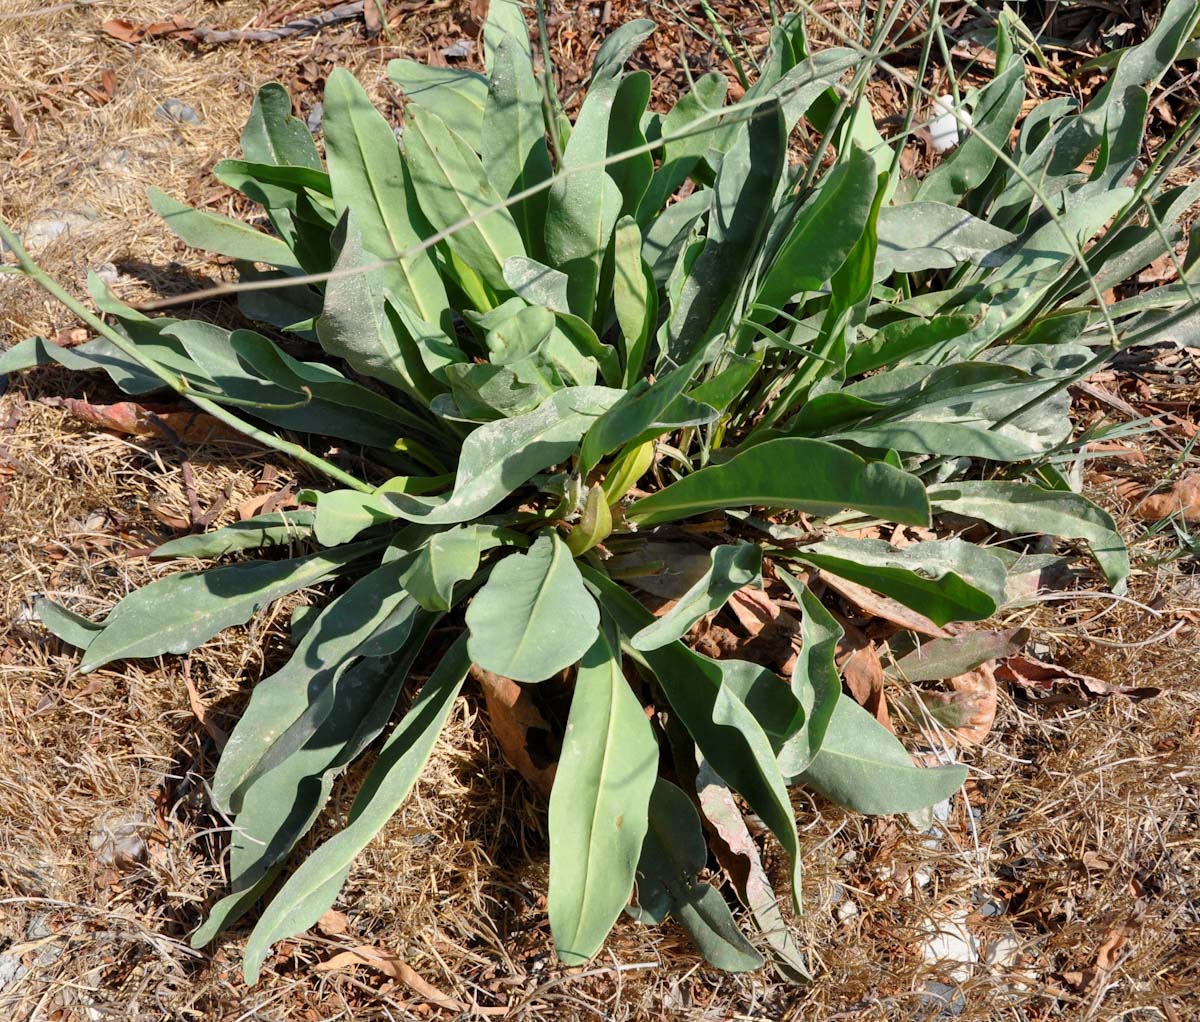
[945, 580]
[279, 528]
[69, 627]
[534, 616]
[1022, 507]
[101, 354]
[220, 234]
[808, 475]
[310, 891]
[862, 766]
[635, 299]
[631, 172]
[924, 235]
[177, 613]
[599, 803]
[431, 572]
[734, 566]
[452, 187]
[501, 456]
[815, 681]
[673, 854]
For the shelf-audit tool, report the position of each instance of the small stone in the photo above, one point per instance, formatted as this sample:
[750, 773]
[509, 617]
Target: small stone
[459, 50]
[846, 911]
[177, 110]
[992, 908]
[316, 116]
[108, 273]
[50, 225]
[944, 1000]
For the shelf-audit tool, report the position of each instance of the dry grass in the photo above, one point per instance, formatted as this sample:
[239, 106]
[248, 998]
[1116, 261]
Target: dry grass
[1087, 816]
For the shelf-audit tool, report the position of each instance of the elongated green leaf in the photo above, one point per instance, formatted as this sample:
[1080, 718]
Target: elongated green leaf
[1022, 508]
[355, 323]
[687, 132]
[632, 172]
[310, 891]
[71, 628]
[505, 22]
[537, 283]
[937, 659]
[368, 175]
[220, 234]
[618, 47]
[815, 681]
[673, 854]
[177, 613]
[725, 731]
[733, 566]
[237, 173]
[931, 235]
[635, 299]
[514, 138]
[273, 135]
[584, 202]
[279, 807]
[501, 456]
[343, 514]
[275, 529]
[946, 580]
[287, 707]
[750, 171]
[666, 235]
[101, 354]
[810, 475]
[863, 767]
[904, 339]
[598, 805]
[431, 572]
[533, 617]
[458, 96]
[453, 189]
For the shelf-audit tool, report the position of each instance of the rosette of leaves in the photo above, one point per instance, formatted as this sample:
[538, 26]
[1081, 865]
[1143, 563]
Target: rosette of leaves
[567, 379]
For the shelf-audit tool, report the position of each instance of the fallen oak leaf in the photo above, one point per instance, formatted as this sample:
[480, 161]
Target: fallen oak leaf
[968, 710]
[1182, 499]
[161, 421]
[333, 923]
[862, 671]
[884, 607]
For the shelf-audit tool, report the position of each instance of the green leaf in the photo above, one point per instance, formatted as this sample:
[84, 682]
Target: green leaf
[310, 891]
[863, 767]
[537, 283]
[1022, 508]
[684, 141]
[808, 475]
[635, 299]
[505, 22]
[595, 523]
[514, 137]
[618, 47]
[355, 323]
[501, 456]
[533, 617]
[599, 803]
[101, 354]
[631, 173]
[945, 580]
[457, 96]
[368, 175]
[750, 171]
[278, 528]
[931, 235]
[725, 731]
[431, 572]
[177, 613]
[273, 135]
[584, 202]
[673, 854]
[454, 191]
[343, 514]
[733, 567]
[815, 681]
[667, 234]
[938, 659]
[906, 337]
[220, 234]
[71, 628]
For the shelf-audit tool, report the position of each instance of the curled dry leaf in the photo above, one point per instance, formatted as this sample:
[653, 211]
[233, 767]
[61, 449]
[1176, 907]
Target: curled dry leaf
[862, 671]
[883, 606]
[513, 716]
[392, 967]
[968, 710]
[736, 851]
[1038, 675]
[333, 923]
[1182, 499]
[166, 422]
